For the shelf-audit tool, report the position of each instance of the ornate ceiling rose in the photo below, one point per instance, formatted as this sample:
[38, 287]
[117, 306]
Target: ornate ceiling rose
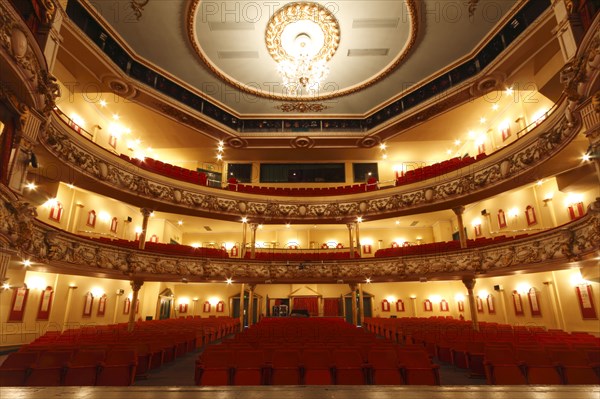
[301, 24]
[331, 34]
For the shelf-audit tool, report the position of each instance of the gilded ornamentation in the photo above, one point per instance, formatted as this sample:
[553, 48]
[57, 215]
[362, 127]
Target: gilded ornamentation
[193, 10]
[301, 107]
[472, 6]
[294, 12]
[138, 6]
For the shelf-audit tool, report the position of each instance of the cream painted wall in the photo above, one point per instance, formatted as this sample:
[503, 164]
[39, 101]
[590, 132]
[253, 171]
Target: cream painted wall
[18, 333]
[555, 290]
[533, 195]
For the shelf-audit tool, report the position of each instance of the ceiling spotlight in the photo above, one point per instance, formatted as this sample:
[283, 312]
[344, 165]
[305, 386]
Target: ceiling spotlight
[180, 222]
[116, 117]
[397, 222]
[31, 186]
[482, 120]
[287, 225]
[5, 286]
[219, 157]
[368, 280]
[586, 157]
[102, 103]
[359, 219]
[382, 146]
[26, 263]
[495, 107]
[260, 226]
[448, 151]
[229, 280]
[457, 142]
[510, 91]
[384, 156]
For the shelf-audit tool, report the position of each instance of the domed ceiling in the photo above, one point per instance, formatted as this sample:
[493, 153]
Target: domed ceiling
[341, 58]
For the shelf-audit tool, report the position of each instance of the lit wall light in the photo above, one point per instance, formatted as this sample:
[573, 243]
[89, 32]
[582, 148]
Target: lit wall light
[523, 288]
[287, 225]
[78, 120]
[104, 216]
[573, 198]
[391, 299]
[435, 298]
[513, 212]
[483, 294]
[195, 245]
[476, 222]
[184, 300]
[213, 300]
[459, 297]
[36, 283]
[576, 279]
[51, 203]
[97, 292]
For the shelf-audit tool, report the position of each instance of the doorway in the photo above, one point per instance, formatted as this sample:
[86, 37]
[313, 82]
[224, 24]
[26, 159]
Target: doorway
[367, 306]
[235, 308]
[165, 304]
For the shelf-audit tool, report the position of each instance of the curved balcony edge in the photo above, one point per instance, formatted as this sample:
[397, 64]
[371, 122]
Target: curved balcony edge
[510, 167]
[577, 243]
[26, 79]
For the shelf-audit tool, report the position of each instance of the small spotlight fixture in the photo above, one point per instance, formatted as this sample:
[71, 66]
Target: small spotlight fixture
[26, 262]
[31, 186]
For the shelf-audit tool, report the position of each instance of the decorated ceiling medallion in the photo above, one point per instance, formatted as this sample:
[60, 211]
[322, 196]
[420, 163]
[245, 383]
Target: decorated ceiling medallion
[302, 42]
[301, 38]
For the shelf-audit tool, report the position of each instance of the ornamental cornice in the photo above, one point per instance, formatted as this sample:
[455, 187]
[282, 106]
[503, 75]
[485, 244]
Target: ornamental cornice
[18, 44]
[498, 170]
[68, 253]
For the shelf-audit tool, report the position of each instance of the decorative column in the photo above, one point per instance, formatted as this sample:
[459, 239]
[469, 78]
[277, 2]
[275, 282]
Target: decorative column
[242, 289]
[244, 230]
[68, 306]
[469, 282]
[4, 260]
[135, 286]
[413, 301]
[350, 239]
[146, 215]
[119, 295]
[503, 304]
[548, 204]
[75, 220]
[358, 246]
[458, 211]
[556, 305]
[253, 227]
[194, 305]
[568, 30]
[251, 288]
[361, 304]
[354, 310]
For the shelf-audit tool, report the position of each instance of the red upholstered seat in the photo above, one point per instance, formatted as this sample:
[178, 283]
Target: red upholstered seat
[49, 368]
[350, 369]
[16, 367]
[384, 366]
[83, 368]
[317, 365]
[248, 367]
[118, 368]
[214, 367]
[285, 367]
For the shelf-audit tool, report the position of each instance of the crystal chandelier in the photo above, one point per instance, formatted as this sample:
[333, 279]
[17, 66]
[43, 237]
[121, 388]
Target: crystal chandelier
[302, 38]
[302, 74]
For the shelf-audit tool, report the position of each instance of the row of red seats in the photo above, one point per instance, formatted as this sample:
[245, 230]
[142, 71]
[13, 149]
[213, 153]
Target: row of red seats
[153, 343]
[69, 367]
[371, 185]
[173, 249]
[436, 247]
[300, 256]
[316, 367]
[557, 353]
[437, 169]
[168, 170]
